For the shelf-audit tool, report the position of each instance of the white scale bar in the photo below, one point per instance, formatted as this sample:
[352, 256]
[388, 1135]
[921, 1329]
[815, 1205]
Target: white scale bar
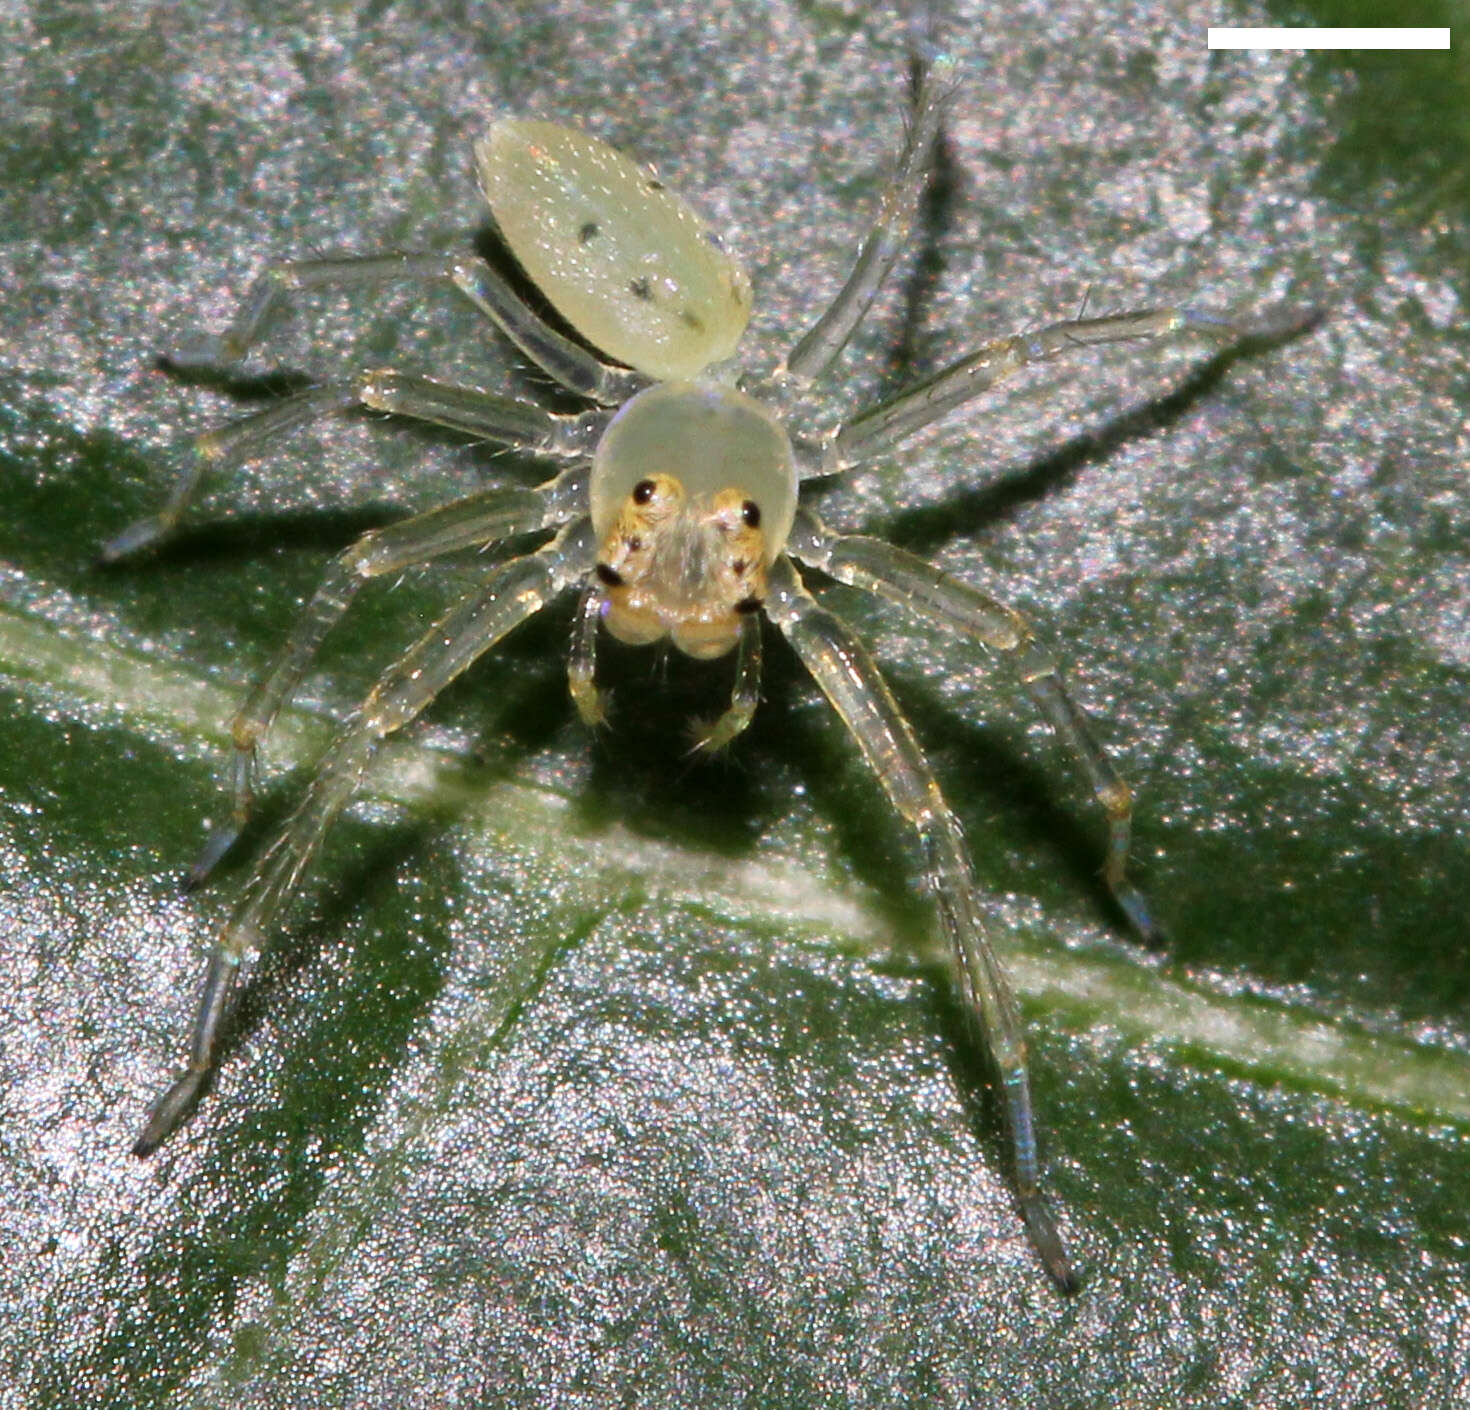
[1224, 37]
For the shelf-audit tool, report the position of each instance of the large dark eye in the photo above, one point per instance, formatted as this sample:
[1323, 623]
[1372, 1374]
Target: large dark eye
[750, 511]
[643, 491]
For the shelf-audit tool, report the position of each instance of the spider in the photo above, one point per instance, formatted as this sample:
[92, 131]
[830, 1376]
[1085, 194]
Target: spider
[677, 517]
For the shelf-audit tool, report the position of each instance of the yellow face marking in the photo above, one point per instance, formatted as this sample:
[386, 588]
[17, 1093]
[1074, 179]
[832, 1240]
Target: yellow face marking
[740, 570]
[630, 548]
[687, 569]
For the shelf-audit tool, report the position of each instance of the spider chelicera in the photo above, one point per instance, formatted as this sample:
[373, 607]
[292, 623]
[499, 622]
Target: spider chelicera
[678, 517]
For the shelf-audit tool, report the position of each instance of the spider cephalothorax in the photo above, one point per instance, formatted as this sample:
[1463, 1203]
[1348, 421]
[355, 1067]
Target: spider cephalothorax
[684, 548]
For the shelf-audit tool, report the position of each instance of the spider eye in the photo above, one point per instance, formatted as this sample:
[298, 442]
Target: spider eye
[609, 576]
[750, 512]
[643, 491]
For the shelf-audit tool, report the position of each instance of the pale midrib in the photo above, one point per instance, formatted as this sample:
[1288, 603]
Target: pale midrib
[1265, 1037]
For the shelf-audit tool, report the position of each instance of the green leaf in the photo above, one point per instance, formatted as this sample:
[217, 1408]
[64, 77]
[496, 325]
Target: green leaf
[588, 1073]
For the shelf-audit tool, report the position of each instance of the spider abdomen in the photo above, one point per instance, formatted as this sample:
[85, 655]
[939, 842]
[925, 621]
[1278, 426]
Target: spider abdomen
[625, 261]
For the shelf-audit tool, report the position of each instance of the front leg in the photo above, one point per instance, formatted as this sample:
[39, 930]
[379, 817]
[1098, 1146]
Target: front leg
[850, 679]
[472, 522]
[515, 591]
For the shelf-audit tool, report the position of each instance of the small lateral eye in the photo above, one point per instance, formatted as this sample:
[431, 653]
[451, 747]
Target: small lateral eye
[750, 513]
[609, 576]
[643, 491]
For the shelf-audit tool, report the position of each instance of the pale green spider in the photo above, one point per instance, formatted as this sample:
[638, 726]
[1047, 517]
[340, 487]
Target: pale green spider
[677, 517]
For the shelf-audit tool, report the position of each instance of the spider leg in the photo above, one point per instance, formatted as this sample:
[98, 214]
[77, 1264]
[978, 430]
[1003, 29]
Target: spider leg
[495, 418]
[471, 522]
[484, 415]
[851, 681]
[823, 343]
[879, 430]
[918, 586]
[569, 363]
[745, 694]
[515, 591]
